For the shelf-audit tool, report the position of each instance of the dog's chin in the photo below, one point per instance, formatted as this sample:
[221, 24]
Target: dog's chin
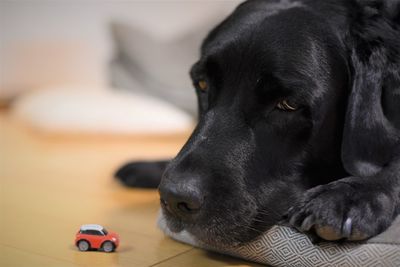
[214, 236]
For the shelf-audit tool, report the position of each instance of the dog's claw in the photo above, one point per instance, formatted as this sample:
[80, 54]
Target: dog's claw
[307, 223]
[289, 211]
[295, 220]
[346, 228]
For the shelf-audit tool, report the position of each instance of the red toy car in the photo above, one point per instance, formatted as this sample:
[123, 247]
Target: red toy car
[94, 236]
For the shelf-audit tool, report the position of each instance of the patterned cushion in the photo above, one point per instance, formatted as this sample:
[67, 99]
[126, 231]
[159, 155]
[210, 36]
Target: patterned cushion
[284, 246]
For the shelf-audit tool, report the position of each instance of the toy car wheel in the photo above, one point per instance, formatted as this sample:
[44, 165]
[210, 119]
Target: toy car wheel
[108, 246]
[83, 245]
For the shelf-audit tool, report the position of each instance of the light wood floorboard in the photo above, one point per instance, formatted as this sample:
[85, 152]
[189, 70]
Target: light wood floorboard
[51, 184]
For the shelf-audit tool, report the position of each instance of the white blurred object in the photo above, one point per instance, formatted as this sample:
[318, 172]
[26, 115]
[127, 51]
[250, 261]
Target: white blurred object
[45, 43]
[80, 110]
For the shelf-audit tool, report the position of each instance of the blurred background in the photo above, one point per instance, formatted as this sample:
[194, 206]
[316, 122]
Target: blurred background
[103, 66]
[86, 86]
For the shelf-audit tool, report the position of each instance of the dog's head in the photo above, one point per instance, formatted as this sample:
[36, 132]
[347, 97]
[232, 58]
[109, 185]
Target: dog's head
[271, 85]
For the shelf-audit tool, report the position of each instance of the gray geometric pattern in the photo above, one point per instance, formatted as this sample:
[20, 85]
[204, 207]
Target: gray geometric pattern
[285, 247]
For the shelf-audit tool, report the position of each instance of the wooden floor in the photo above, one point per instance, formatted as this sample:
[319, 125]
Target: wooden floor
[50, 185]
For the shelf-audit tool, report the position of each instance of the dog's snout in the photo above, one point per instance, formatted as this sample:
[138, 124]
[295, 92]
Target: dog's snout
[183, 199]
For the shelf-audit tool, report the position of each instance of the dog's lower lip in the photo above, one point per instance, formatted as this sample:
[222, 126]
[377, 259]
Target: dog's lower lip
[175, 226]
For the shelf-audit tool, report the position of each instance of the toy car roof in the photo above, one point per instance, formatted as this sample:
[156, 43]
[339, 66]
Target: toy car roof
[91, 227]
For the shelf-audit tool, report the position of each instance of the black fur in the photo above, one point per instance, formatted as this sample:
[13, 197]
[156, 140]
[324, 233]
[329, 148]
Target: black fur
[335, 161]
[144, 174]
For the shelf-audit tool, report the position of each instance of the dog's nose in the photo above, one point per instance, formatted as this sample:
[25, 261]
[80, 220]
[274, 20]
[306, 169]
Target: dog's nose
[183, 199]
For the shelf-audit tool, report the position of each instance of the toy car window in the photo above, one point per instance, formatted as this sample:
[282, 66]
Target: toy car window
[99, 233]
[94, 232]
[105, 231]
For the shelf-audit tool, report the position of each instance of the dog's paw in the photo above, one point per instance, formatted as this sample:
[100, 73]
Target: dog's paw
[345, 209]
[141, 174]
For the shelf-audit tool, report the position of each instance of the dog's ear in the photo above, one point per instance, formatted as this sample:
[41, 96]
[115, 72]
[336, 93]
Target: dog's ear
[372, 126]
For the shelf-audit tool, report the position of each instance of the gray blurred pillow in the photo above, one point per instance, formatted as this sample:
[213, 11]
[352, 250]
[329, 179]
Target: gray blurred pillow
[283, 246]
[154, 56]
[160, 66]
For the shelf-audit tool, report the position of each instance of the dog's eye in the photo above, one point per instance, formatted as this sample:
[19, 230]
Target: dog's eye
[202, 84]
[284, 105]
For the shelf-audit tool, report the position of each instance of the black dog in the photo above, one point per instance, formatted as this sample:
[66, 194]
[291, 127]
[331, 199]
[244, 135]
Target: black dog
[299, 105]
